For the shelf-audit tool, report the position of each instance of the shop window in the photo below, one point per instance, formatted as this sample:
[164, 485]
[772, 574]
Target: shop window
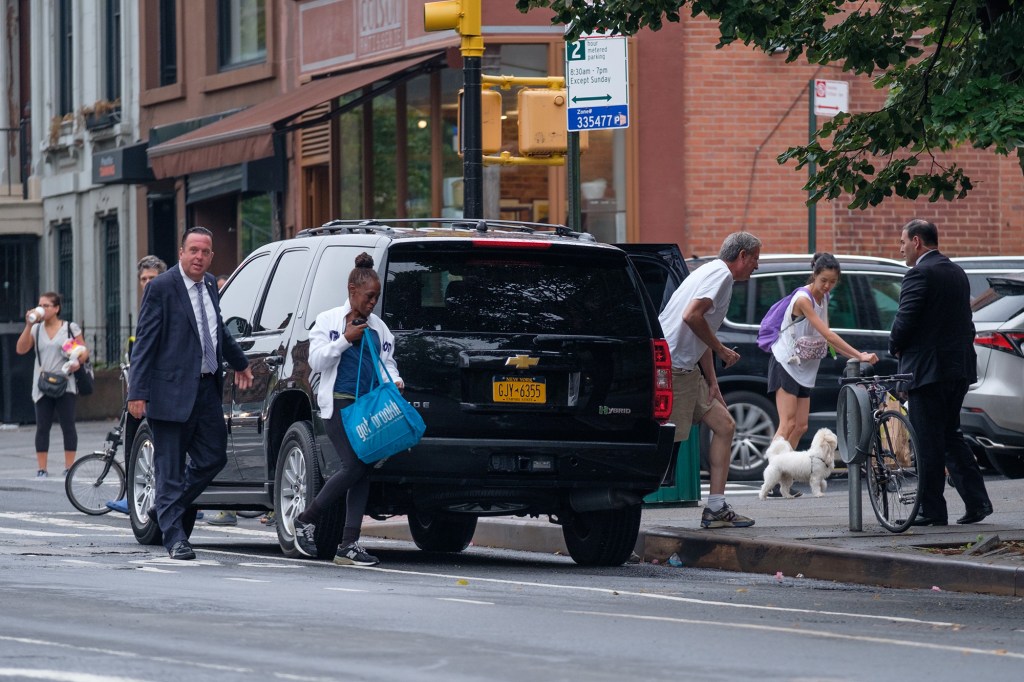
[603, 185]
[256, 222]
[241, 33]
[350, 175]
[385, 161]
[418, 147]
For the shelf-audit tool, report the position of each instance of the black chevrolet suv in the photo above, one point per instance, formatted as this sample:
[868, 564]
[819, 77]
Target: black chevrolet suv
[475, 307]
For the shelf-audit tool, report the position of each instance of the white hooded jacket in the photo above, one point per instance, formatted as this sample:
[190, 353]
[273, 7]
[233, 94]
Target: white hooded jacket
[326, 344]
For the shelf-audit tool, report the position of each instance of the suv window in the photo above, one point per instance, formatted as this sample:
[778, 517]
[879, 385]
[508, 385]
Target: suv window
[330, 287]
[521, 292]
[999, 304]
[237, 299]
[284, 290]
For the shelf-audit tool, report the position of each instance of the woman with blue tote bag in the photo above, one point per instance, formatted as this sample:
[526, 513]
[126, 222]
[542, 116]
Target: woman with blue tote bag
[335, 342]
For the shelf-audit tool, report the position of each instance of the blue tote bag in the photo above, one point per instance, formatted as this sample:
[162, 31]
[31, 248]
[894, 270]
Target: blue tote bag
[380, 423]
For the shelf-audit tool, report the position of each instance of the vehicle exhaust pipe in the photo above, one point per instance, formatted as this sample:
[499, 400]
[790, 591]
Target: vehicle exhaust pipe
[600, 500]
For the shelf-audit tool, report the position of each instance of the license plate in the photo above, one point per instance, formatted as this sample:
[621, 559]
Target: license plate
[519, 390]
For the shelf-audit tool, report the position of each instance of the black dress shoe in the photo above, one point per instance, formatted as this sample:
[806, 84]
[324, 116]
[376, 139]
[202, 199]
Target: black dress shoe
[182, 551]
[926, 521]
[975, 515]
[151, 515]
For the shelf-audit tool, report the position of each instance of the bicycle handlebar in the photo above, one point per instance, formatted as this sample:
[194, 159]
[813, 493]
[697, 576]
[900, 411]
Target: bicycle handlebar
[891, 378]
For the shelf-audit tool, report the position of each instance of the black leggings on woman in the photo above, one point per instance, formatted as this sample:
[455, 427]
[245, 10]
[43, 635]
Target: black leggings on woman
[351, 478]
[64, 408]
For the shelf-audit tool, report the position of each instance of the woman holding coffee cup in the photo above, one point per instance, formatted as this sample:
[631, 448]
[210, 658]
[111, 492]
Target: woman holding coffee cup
[47, 334]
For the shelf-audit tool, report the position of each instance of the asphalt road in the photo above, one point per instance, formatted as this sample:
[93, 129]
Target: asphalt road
[79, 598]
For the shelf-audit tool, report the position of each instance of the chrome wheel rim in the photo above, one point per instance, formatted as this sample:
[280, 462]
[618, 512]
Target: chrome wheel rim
[754, 431]
[143, 491]
[292, 496]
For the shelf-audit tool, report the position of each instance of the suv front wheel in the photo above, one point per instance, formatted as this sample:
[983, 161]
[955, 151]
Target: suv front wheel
[601, 538]
[142, 490]
[296, 483]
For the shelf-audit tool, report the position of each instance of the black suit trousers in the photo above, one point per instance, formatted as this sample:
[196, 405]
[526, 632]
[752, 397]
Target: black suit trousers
[204, 437]
[935, 415]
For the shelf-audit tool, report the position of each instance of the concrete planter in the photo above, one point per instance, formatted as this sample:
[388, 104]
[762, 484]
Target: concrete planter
[106, 400]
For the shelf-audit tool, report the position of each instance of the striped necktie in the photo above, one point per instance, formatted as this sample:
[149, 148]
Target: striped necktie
[209, 352]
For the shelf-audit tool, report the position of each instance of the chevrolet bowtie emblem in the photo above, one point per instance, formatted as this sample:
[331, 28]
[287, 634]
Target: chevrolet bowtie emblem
[522, 362]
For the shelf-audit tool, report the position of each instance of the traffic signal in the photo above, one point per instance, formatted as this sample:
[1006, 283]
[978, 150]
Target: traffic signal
[490, 121]
[542, 122]
[462, 16]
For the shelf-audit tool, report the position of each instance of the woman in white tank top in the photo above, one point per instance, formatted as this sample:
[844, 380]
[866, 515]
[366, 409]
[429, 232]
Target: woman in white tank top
[789, 376]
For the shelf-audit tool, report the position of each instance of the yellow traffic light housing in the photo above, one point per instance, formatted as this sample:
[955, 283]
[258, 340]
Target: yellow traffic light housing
[542, 122]
[490, 121]
[462, 16]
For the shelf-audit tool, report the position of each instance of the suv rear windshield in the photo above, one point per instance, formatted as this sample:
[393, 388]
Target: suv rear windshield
[512, 291]
[999, 304]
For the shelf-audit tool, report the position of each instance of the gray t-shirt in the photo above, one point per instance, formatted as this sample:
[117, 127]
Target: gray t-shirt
[51, 354]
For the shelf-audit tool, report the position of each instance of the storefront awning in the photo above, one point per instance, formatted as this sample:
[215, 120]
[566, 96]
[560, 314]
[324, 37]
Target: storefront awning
[248, 135]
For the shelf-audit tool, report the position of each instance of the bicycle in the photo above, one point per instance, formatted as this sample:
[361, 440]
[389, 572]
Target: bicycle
[89, 483]
[878, 436]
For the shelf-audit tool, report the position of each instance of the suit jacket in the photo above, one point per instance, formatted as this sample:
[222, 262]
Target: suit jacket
[933, 333]
[167, 356]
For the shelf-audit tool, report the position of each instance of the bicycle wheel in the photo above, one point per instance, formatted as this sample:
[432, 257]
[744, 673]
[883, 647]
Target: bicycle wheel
[92, 481]
[893, 482]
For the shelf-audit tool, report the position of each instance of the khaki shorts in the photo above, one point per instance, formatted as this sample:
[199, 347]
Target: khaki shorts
[691, 400]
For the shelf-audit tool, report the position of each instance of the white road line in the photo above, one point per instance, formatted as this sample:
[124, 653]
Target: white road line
[466, 601]
[124, 654]
[1002, 653]
[62, 676]
[248, 580]
[37, 533]
[667, 597]
[344, 589]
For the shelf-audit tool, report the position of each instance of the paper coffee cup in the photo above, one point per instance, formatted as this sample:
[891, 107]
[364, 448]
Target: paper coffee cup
[36, 314]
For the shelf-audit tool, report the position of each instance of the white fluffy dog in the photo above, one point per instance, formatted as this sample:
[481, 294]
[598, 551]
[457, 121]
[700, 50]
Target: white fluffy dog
[812, 466]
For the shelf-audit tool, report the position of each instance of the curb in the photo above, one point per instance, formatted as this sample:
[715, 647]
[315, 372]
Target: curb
[883, 569]
[706, 549]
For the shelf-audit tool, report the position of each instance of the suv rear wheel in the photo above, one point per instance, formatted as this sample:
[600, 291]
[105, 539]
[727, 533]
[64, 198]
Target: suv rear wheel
[601, 538]
[142, 490]
[440, 532]
[296, 483]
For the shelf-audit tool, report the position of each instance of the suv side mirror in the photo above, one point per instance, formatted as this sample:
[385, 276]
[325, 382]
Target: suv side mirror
[238, 327]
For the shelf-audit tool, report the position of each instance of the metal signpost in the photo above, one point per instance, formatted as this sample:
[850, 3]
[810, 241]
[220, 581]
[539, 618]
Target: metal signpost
[828, 98]
[597, 87]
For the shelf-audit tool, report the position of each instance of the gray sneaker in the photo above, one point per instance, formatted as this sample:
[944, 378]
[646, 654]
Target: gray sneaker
[724, 518]
[223, 518]
[354, 555]
[305, 538]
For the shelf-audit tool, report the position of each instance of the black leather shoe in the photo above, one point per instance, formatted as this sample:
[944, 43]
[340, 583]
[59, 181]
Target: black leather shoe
[926, 521]
[182, 551]
[151, 514]
[975, 515]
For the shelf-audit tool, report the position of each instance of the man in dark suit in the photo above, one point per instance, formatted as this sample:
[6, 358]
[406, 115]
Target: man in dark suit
[933, 337]
[177, 382]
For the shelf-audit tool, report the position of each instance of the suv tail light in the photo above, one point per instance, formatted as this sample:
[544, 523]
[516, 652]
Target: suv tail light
[662, 380]
[1008, 342]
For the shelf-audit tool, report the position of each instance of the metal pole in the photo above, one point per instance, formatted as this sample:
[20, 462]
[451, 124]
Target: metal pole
[472, 155]
[572, 162]
[853, 470]
[812, 209]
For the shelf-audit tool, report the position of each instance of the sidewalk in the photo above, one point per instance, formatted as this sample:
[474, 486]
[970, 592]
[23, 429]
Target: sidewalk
[807, 536]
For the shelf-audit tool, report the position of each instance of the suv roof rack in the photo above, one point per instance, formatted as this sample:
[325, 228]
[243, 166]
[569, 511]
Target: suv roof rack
[372, 226]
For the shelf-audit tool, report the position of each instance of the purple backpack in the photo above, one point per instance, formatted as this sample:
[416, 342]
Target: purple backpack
[771, 324]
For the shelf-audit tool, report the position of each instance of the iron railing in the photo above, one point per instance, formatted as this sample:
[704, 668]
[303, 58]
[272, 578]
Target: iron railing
[14, 160]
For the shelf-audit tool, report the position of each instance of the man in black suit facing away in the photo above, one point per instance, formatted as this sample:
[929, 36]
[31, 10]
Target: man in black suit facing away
[177, 382]
[933, 337]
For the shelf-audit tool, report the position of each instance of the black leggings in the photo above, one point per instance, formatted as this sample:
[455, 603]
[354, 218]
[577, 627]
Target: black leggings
[64, 408]
[351, 478]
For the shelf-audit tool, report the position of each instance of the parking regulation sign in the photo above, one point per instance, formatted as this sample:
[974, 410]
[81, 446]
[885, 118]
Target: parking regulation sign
[597, 83]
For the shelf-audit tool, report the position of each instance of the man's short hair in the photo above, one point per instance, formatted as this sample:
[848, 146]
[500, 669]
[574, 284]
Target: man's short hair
[198, 229]
[927, 231]
[151, 263]
[737, 242]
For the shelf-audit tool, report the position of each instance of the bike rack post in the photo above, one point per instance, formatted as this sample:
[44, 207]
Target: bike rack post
[853, 470]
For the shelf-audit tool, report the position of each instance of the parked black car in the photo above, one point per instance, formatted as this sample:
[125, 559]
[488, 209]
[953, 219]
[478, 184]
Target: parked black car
[473, 305]
[861, 310]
